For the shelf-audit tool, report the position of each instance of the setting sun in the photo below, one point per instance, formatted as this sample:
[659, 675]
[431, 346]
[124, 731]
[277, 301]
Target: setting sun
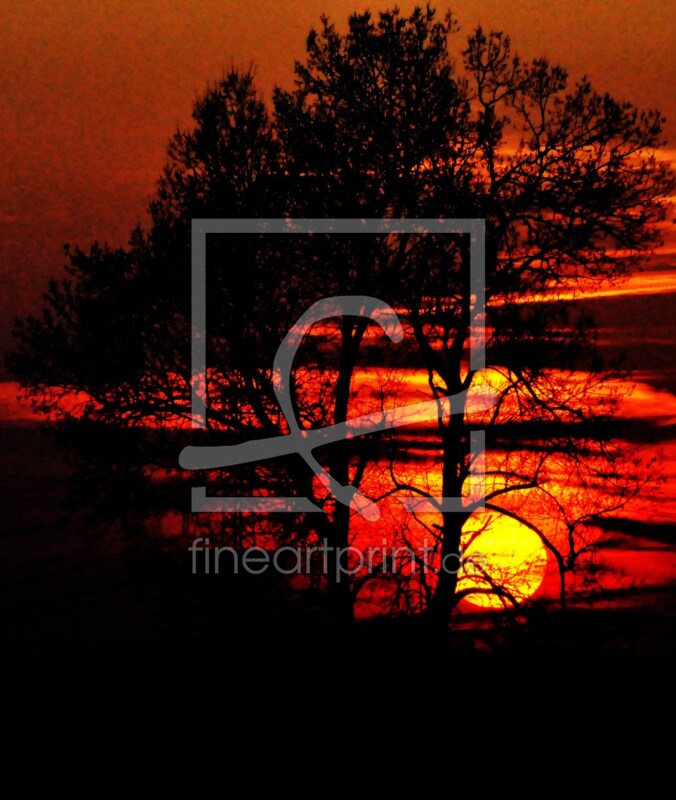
[500, 551]
[349, 323]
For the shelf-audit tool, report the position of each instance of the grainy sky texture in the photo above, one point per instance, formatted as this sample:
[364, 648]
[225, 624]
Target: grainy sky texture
[91, 91]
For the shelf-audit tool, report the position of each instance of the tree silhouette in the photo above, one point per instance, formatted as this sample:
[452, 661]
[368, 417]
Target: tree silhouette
[382, 123]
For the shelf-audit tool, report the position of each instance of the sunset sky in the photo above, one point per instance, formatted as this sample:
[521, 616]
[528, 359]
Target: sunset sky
[92, 91]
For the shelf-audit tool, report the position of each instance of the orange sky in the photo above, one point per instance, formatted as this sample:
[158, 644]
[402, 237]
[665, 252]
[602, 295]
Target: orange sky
[91, 90]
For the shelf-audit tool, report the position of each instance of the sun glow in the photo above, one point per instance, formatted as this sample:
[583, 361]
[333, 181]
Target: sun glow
[500, 551]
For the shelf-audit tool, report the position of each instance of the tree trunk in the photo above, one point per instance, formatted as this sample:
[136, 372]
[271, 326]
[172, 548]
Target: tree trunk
[443, 599]
[341, 602]
[456, 450]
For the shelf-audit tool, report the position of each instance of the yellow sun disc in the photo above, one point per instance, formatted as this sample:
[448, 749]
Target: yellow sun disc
[501, 551]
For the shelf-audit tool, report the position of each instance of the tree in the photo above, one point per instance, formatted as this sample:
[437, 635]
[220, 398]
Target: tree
[383, 123]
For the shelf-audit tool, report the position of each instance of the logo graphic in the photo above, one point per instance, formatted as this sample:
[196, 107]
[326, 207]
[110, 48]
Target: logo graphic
[305, 441]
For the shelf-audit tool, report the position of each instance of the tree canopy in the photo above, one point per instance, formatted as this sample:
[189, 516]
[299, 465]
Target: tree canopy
[397, 117]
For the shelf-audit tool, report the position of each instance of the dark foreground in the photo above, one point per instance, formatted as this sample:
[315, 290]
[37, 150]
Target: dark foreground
[85, 612]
